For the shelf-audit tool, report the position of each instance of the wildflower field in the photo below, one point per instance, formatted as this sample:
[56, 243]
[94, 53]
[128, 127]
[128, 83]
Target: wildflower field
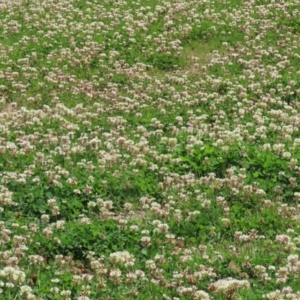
[149, 149]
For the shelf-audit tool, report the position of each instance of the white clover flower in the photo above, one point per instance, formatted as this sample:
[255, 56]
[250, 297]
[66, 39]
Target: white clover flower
[121, 257]
[134, 228]
[201, 295]
[146, 241]
[286, 154]
[25, 289]
[65, 293]
[228, 286]
[115, 273]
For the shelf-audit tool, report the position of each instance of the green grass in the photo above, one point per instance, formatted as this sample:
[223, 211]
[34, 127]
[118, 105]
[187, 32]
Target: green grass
[149, 151]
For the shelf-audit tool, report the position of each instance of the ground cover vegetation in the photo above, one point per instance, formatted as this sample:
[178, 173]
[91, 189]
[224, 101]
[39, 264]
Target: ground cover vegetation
[149, 149]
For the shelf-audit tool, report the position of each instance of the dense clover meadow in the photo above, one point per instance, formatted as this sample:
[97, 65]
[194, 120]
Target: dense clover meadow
[149, 149]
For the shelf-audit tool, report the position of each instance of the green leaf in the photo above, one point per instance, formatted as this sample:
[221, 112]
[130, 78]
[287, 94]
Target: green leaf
[256, 174]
